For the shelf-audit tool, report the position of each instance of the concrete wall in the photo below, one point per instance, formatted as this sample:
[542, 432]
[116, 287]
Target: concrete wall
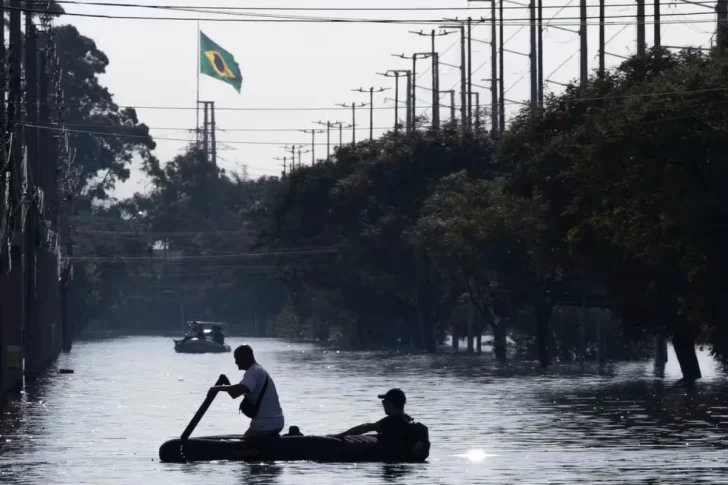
[12, 329]
[44, 335]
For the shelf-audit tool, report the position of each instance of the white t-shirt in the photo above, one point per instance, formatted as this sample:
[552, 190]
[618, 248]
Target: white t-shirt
[270, 414]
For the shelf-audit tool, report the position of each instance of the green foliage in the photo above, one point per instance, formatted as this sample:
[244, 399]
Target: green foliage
[633, 169]
[94, 120]
[614, 192]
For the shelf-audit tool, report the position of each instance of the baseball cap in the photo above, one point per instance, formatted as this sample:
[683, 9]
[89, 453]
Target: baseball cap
[395, 396]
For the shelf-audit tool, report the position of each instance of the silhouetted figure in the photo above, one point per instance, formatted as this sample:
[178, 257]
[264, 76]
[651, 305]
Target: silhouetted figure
[392, 428]
[217, 336]
[261, 403]
[293, 431]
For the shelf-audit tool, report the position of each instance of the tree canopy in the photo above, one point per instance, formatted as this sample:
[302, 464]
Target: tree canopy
[610, 197]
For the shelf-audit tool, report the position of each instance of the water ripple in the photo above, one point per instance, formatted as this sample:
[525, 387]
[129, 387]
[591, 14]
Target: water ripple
[489, 422]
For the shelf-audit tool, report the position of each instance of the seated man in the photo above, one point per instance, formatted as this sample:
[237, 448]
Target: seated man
[217, 336]
[395, 426]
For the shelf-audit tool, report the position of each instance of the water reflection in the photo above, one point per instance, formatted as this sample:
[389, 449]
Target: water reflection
[393, 473]
[104, 423]
[646, 413]
[262, 474]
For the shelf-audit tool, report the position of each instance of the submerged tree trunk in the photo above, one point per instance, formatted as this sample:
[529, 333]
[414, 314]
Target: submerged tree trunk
[499, 338]
[684, 343]
[415, 331]
[424, 300]
[543, 317]
[471, 327]
[661, 347]
[455, 337]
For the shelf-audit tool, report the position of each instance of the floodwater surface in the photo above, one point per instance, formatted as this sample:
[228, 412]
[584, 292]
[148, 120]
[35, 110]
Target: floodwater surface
[489, 423]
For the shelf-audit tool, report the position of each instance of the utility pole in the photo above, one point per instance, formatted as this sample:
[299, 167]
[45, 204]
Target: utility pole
[583, 64]
[205, 140]
[602, 40]
[463, 83]
[328, 126]
[493, 69]
[293, 152]
[13, 313]
[477, 109]
[501, 78]
[353, 120]
[341, 126]
[463, 79]
[209, 141]
[299, 154]
[371, 107]
[657, 23]
[293, 156]
[534, 58]
[30, 196]
[640, 27]
[313, 144]
[451, 92]
[213, 141]
[15, 117]
[721, 10]
[452, 104]
[397, 73]
[470, 74]
[284, 163]
[540, 54]
[435, 75]
[413, 97]
[3, 159]
[3, 150]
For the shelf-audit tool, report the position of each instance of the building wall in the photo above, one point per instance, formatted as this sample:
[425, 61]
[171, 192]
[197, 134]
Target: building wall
[12, 331]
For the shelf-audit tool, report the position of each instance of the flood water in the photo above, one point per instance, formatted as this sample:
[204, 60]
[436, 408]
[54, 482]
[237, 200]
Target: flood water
[489, 423]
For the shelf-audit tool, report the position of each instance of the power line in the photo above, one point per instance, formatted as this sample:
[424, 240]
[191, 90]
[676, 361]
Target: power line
[231, 130]
[284, 9]
[163, 233]
[222, 108]
[147, 259]
[697, 91]
[238, 142]
[279, 19]
[330, 9]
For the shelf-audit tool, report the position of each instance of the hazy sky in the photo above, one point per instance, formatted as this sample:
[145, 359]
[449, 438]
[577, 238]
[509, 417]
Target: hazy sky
[153, 63]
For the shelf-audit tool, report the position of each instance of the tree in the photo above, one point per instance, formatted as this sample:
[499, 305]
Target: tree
[104, 138]
[488, 240]
[632, 170]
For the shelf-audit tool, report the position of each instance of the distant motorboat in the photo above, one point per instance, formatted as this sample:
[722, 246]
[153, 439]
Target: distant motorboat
[202, 338]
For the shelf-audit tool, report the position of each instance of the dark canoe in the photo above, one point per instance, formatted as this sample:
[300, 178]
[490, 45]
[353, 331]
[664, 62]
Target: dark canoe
[292, 448]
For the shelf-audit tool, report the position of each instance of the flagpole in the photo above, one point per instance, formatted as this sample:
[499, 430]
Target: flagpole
[197, 105]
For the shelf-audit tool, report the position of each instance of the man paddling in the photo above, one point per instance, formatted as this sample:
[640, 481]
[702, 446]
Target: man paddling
[261, 402]
[392, 428]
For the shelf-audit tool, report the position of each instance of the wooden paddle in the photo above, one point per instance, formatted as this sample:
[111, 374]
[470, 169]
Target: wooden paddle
[222, 380]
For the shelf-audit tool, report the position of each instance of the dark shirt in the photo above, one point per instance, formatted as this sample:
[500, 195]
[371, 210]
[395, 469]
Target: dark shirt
[394, 429]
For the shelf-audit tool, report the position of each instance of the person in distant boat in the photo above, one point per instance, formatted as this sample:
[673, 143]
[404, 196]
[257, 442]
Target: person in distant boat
[192, 332]
[394, 426]
[217, 336]
[261, 403]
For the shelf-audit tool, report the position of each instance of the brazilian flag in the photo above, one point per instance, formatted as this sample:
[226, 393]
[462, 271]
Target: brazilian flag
[218, 63]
